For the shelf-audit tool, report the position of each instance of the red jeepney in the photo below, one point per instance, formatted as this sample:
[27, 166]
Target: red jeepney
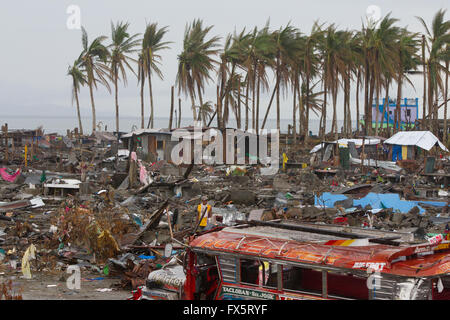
[248, 262]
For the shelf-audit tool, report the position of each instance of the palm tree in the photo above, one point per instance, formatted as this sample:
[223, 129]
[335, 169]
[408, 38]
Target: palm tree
[311, 60]
[78, 80]
[331, 48]
[259, 54]
[285, 49]
[379, 47]
[445, 103]
[204, 112]
[196, 61]
[297, 64]
[152, 42]
[121, 47]
[437, 45]
[312, 98]
[386, 62]
[230, 58]
[355, 61]
[407, 46]
[94, 63]
[141, 81]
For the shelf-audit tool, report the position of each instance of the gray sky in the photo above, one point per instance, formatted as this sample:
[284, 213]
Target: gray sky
[37, 46]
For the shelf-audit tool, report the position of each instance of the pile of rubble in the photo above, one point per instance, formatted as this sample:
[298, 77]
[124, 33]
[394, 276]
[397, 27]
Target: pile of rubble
[109, 212]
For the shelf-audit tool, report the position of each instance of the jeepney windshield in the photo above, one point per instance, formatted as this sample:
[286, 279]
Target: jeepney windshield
[204, 259]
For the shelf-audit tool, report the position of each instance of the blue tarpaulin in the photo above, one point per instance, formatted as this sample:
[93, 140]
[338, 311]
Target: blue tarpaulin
[376, 201]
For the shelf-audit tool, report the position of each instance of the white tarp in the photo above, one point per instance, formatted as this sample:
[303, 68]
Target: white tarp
[344, 142]
[423, 139]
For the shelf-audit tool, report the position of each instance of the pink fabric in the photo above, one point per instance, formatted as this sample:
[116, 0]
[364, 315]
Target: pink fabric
[9, 177]
[143, 176]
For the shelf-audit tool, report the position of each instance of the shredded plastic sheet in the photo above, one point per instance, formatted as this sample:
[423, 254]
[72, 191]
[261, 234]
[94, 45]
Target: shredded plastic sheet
[9, 177]
[30, 254]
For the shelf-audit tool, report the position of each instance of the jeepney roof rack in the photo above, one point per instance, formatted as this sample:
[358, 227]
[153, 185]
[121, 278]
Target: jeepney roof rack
[277, 224]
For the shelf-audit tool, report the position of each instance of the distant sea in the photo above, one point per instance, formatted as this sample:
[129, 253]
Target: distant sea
[60, 124]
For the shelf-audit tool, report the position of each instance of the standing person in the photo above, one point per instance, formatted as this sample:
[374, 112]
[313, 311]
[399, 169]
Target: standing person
[204, 213]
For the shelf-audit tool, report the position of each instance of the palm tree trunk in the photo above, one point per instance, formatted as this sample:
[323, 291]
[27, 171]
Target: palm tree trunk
[257, 106]
[397, 118]
[334, 125]
[386, 109]
[150, 121]
[324, 111]
[80, 125]
[436, 117]
[377, 110]
[171, 107]
[179, 113]
[349, 115]
[306, 127]
[94, 120]
[366, 97]
[116, 94]
[430, 100]
[345, 125]
[246, 104]
[142, 102]
[278, 93]
[358, 78]
[199, 98]
[445, 103]
[294, 120]
[253, 99]
[238, 120]
[191, 94]
[219, 106]
[268, 107]
[301, 110]
[424, 112]
[371, 89]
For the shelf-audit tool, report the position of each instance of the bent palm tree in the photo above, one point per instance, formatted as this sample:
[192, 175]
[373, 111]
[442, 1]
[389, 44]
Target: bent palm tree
[152, 42]
[122, 45]
[204, 112]
[438, 50]
[94, 63]
[78, 80]
[196, 61]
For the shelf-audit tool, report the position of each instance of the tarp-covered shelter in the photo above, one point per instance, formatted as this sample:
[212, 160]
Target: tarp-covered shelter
[403, 142]
[344, 143]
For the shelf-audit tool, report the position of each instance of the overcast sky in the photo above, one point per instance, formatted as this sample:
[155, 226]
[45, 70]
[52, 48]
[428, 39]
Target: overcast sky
[37, 46]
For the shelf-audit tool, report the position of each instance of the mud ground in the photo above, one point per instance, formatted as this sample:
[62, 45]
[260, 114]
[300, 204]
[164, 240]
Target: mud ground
[53, 287]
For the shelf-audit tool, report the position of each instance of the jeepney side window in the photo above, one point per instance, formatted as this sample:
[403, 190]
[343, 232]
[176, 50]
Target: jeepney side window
[259, 273]
[301, 279]
[347, 286]
[249, 271]
[269, 273]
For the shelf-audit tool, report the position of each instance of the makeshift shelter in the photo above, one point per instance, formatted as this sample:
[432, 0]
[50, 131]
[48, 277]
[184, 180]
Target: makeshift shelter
[328, 146]
[403, 143]
[152, 144]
